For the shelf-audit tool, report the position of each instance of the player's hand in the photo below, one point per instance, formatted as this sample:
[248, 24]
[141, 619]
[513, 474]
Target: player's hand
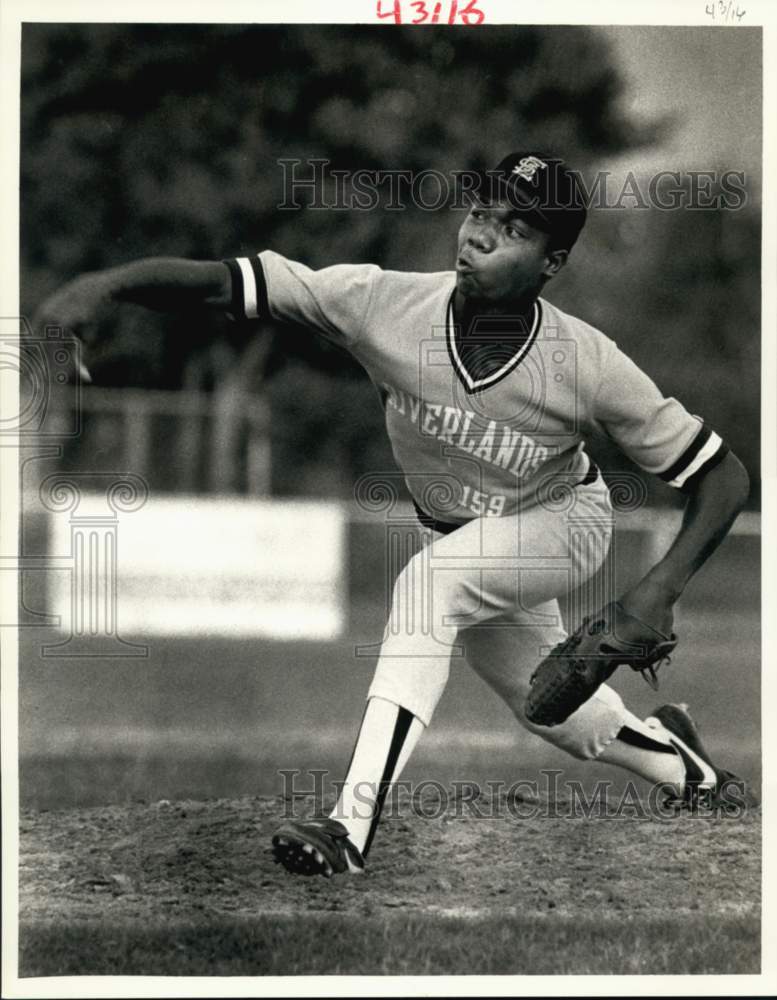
[652, 603]
[78, 307]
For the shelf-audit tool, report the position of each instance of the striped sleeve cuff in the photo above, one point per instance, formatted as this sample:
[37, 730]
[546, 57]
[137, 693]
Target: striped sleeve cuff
[249, 288]
[703, 453]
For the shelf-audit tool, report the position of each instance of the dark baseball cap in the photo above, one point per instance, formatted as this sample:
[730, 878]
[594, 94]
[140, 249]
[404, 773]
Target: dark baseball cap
[539, 186]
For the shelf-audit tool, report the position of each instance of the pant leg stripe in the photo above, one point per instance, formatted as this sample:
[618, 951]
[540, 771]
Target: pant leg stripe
[401, 729]
[636, 739]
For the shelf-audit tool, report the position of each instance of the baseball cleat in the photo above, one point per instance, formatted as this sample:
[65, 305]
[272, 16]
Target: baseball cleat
[316, 847]
[706, 785]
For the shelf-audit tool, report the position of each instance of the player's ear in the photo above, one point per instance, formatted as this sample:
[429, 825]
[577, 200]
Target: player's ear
[554, 261]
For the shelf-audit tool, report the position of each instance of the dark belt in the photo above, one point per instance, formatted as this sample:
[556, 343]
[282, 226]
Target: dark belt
[445, 527]
[427, 521]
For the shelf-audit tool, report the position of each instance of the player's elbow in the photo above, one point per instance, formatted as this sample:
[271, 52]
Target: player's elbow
[730, 478]
[739, 481]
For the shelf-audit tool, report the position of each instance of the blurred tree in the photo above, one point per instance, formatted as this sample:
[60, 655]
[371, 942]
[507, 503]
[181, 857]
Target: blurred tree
[159, 139]
[165, 139]
[680, 293]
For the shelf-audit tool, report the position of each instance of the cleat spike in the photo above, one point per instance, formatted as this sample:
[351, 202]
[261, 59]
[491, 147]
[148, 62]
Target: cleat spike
[319, 857]
[308, 848]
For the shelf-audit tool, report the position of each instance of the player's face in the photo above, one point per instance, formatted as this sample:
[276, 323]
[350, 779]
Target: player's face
[501, 258]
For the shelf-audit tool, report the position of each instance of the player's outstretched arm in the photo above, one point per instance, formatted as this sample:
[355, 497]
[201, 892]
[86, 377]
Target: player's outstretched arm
[162, 283]
[713, 505]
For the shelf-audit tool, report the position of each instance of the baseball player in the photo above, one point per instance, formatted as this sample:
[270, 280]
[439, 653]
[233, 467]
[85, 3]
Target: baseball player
[489, 391]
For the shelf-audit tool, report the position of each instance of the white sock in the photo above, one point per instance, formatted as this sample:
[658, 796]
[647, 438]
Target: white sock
[387, 736]
[645, 749]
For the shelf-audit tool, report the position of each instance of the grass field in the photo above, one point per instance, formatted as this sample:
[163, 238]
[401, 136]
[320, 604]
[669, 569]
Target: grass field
[399, 945]
[218, 718]
[150, 789]
[189, 888]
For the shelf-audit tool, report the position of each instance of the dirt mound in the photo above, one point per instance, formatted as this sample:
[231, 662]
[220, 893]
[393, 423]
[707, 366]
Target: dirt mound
[490, 856]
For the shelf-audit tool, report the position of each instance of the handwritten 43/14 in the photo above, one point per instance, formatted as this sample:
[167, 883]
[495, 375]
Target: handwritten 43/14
[724, 10]
[419, 12]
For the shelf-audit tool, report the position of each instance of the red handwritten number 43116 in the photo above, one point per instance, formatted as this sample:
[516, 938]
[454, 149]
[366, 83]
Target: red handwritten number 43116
[423, 13]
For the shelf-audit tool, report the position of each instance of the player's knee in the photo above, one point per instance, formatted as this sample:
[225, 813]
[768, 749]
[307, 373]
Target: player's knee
[590, 729]
[579, 745]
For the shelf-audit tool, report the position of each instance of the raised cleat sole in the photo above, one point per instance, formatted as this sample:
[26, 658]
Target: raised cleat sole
[299, 859]
[316, 847]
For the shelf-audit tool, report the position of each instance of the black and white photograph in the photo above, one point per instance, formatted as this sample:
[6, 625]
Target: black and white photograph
[388, 424]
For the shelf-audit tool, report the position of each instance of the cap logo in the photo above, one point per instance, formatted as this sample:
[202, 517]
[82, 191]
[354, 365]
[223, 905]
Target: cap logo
[528, 167]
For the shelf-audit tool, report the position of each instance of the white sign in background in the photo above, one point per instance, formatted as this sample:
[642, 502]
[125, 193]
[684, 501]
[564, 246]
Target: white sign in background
[228, 567]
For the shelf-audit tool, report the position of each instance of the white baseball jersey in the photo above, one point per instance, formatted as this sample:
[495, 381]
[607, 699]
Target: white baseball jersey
[493, 441]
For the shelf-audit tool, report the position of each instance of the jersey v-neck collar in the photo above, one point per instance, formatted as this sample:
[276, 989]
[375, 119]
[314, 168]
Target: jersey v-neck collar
[477, 384]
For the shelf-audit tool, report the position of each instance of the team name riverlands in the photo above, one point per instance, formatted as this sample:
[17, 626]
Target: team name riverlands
[498, 444]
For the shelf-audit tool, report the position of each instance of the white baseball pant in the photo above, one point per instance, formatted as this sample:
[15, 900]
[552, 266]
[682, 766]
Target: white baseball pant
[489, 592]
